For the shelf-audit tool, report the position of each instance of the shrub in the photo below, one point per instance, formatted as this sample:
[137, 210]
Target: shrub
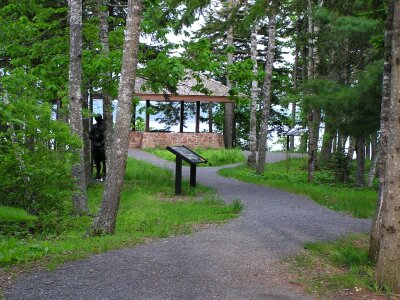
[36, 156]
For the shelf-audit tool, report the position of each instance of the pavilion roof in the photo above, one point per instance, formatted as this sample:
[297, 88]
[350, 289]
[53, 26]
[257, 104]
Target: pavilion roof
[296, 131]
[217, 92]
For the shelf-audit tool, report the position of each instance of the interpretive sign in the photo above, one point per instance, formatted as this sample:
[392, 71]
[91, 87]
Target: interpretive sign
[187, 154]
[184, 153]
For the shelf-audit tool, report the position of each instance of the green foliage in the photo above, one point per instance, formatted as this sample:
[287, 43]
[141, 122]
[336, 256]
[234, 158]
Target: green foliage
[291, 176]
[148, 209]
[353, 109]
[348, 72]
[215, 157]
[34, 41]
[242, 71]
[36, 161]
[164, 72]
[340, 164]
[237, 206]
[320, 93]
[37, 152]
[199, 57]
[361, 103]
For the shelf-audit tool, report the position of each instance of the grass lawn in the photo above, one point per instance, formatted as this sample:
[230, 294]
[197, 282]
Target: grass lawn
[148, 209]
[291, 176]
[215, 157]
[337, 270]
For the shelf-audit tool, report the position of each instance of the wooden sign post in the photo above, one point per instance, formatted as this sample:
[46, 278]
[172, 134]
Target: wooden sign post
[184, 153]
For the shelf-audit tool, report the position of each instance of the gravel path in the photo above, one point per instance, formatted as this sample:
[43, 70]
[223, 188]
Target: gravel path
[234, 261]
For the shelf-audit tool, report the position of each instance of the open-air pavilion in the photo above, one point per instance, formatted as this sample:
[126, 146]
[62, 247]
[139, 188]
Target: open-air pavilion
[217, 93]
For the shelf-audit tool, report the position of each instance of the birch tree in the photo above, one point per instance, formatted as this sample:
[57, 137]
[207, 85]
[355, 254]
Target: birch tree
[229, 107]
[295, 85]
[75, 105]
[383, 141]
[266, 94]
[312, 116]
[106, 218]
[388, 258]
[252, 159]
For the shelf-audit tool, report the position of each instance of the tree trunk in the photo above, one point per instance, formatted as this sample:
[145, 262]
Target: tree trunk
[303, 143]
[368, 149]
[312, 115]
[266, 94]
[374, 145]
[106, 218]
[293, 109]
[313, 129]
[107, 99]
[229, 107]
[335, 142]
[372, 170]
[374, 160]
[75, 106]
[251, 161]
[326, 149]
[352, 148]
[360, 167]
[383, 140]
[388, 263]
[344, 141]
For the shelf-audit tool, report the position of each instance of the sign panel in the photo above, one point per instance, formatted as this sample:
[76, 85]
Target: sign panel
[186, 154]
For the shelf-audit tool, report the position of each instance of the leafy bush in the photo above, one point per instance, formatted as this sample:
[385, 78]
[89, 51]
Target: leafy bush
[36, 156]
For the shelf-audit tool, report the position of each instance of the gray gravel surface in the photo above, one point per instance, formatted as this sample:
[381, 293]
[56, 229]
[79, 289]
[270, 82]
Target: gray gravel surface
[233, 261]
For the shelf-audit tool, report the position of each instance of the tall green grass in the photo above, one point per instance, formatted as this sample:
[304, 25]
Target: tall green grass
[215, 157]
[148, 209]
[329, 267]
[291, 176]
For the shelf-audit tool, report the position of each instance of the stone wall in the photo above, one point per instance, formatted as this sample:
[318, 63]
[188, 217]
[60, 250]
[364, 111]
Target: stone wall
[142, 140]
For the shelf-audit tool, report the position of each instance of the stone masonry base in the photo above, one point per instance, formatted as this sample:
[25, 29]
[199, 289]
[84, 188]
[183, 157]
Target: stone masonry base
[143, 140]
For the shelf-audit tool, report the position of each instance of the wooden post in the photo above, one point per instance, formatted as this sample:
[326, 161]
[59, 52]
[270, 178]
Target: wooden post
[197, 116]
[193, 175]
[147, 115]
[210, 117]
[133, 118]
[178, 175]
[181, 120]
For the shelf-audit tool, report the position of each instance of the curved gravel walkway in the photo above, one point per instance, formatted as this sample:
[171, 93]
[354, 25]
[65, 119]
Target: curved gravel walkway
[233, 261]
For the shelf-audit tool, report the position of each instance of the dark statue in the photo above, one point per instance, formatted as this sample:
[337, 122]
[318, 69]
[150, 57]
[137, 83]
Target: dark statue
[98, 138]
